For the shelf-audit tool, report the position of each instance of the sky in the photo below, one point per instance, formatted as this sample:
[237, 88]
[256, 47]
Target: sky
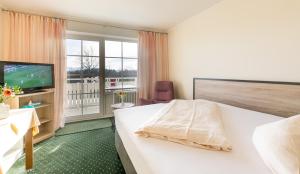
[112, 49]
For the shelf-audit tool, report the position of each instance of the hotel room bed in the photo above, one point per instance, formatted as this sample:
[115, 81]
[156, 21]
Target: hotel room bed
[153, 156]
[149, 155]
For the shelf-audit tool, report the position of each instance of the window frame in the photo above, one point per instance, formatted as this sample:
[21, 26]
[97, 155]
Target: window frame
[122, 62]
[82, 56]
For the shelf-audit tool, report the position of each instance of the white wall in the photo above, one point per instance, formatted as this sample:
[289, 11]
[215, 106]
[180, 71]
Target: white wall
[254, 40]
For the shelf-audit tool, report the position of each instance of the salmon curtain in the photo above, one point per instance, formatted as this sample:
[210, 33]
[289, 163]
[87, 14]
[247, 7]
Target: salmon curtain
[153, 62]
[37, 39]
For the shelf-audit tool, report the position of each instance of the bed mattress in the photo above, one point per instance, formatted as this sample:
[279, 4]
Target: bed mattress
[154, 156]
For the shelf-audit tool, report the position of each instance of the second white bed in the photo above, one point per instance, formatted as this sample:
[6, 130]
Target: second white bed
[153, 156]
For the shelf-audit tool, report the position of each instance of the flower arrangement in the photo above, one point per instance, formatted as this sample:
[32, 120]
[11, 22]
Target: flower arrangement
[7, 92]
[122, 94]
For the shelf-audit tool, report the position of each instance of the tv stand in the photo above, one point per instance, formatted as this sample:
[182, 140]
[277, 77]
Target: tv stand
[34, 91]
[45, 110]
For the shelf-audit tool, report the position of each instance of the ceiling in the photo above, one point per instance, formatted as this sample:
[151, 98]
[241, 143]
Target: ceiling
[139, 14]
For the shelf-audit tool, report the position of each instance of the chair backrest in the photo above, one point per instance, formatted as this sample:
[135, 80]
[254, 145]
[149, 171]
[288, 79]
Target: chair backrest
[164, 91]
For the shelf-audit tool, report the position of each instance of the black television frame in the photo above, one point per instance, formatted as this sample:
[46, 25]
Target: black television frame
[27, 90]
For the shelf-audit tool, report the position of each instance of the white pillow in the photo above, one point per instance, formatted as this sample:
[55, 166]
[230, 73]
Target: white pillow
[278, 144]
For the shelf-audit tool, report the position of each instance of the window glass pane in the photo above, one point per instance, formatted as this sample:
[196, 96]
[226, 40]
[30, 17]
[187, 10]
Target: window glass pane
[90, 48]
[90, 73]
[73, 87]
[130, 49]
[91, 100]
[113, 67]
[73, 47]
[129, 73]
[113, 73]
[130, 67]
[112, 49]
[73, 67]
[90, 67]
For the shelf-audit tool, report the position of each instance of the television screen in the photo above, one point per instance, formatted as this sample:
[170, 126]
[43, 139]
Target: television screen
[27, 75]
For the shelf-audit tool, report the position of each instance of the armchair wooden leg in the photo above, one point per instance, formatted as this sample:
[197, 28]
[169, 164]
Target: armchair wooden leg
[29, 150]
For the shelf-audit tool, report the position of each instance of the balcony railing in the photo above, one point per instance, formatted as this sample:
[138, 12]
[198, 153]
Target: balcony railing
[86, 96]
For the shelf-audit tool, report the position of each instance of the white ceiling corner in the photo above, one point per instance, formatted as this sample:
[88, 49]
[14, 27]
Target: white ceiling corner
[139, 14]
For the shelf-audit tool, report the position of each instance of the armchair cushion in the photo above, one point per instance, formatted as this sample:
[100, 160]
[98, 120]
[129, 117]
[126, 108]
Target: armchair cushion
[164, 93]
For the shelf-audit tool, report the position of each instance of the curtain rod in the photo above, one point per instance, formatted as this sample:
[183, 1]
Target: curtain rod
[73, 20]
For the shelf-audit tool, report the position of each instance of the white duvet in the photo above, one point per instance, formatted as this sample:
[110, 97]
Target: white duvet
[195, 123]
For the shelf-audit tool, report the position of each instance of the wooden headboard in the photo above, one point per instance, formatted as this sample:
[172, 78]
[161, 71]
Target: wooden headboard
[277, 98]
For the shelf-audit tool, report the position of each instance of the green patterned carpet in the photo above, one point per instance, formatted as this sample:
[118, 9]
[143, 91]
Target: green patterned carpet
[82, 126]
[83, 153]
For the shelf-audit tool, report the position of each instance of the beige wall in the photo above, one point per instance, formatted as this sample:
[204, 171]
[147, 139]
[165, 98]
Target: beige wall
[257, 40]
[100, 30]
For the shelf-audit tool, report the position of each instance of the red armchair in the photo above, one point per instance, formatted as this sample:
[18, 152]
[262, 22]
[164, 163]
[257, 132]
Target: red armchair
[164, 93]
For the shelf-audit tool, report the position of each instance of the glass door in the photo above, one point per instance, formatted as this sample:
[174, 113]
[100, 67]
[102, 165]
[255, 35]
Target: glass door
[97, 68]
[83, 83]
[121, 63]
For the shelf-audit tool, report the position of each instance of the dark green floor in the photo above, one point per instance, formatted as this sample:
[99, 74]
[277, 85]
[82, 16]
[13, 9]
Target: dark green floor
[86, 152]
[84, 126]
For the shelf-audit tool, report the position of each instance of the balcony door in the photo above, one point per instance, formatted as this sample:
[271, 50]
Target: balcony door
[83, 82]
[121, 62]
[96, 70]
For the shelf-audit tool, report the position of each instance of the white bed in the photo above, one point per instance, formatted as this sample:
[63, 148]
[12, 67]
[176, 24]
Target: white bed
[153, 156]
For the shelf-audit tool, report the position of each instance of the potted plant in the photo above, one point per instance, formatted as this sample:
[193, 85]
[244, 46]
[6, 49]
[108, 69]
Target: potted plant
[7, 93]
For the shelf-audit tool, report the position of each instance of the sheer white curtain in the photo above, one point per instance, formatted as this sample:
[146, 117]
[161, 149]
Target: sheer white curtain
[39, 39]
[153, 62]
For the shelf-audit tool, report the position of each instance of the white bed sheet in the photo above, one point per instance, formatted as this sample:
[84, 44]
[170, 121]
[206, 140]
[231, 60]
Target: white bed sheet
[154, 156]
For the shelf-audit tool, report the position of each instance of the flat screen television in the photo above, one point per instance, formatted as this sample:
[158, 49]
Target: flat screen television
[29, 76]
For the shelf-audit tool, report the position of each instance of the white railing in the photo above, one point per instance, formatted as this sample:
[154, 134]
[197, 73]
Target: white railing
[87, 94]
[82, 93]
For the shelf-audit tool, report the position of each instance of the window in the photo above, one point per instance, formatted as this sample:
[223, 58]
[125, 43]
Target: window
[82, 77]
[121, 63]
[87, 67]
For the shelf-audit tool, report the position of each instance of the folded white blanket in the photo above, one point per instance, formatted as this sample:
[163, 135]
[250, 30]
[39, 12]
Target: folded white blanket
[195, 123]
